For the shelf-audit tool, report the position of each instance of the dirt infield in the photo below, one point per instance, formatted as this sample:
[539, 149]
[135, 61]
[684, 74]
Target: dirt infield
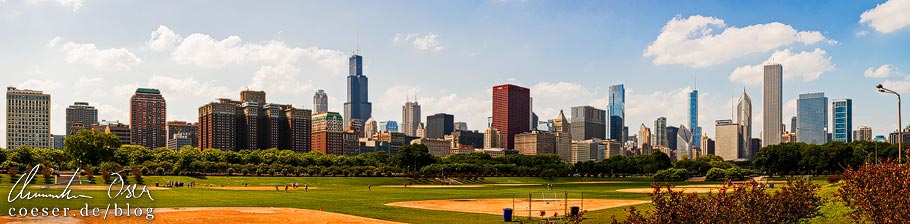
[219, 215]
[459, 185]
[599, 182]
[256, 188]
[495, 206]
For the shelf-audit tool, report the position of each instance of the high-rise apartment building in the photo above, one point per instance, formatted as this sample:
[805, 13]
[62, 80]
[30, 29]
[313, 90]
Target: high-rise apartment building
[148, 117]
[744, 119]
[617, 113]
[588, 122]
[236, 125]
[320, 102]
[410, 118]
[327, 133]
[842, 114]
[772, 92]
[121, 130]
[358, 105]
[28, 118]
[80, 116]
[812, 125]
[863, 133]
[511, 111]
[187, 132]
[439, 125]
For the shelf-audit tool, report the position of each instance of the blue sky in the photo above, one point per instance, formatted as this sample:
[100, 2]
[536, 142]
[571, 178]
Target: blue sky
[450, 53]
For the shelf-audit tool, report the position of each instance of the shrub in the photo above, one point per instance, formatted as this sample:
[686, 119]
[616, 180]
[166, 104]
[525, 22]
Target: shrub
[12, 171]
[137, 174]
[230, 171]
[834, 178]
[159, 171]
[671, 174]
[245, 171]
[796, 202]
[877, 193]
[715, 173]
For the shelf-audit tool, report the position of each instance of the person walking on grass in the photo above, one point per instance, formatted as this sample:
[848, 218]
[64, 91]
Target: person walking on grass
[276, 187]
[369, 187]
[306, 187]
[285, 188]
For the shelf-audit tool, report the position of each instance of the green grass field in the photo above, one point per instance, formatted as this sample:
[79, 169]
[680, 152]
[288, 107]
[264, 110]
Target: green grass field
[350, 196]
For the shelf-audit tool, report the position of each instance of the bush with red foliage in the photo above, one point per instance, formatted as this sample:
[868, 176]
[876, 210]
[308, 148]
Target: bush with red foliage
[877, 193]
[795, 202]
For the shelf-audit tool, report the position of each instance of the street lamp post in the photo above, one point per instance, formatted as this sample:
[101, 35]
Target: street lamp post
[900, 131]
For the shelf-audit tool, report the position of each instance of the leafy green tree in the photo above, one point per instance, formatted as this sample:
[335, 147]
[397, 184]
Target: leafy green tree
[91, 147]
[414, 156]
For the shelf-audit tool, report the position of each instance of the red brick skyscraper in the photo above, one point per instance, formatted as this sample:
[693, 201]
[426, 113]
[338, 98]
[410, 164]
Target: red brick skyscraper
[511, 111]
[148, 113]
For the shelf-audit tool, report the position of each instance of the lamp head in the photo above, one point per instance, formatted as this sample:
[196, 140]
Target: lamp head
[880, 88]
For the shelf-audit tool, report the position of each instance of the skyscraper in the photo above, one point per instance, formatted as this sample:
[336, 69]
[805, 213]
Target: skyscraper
[644, 139]
[772, 91]
[410, 118]
[148, 114]
[588, 122]
[683, 142]
[671, 137]
[863, 133]
[80, 116]
[439, 125]
[843, 120]
[327, 134]
[187, 131]
[562, 128]
[388, 126]
[511, 111]
[617, 112]
[320, 102]
[660, 132]
[693, 119]
[793, 125]
[370, 127]
[729, 140]
[812, 126]
[461, 126]
[28, 118]
[236, 125]
[744, 118]
[358, 105]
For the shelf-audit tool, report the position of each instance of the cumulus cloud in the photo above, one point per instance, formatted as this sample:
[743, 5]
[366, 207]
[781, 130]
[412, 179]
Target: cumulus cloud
[700, 41]
[204, 51]
[75, 4]
[45, 85]
[888, 17]
[163, 39]
[805, 65]
[188, 86]
[282, 79]
[113, 59]
[558, 90]
[883, 71]
[900, 86]
[420, 41]
[471, 109]
[86, 81]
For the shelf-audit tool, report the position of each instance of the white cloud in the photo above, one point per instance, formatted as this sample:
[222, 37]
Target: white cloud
[900, 86]
[281, 79]
[86, 81]
[113, 113]
[883, 71]
[420, 41]
[805, 65]
[163, 39]
[700, 41]
[40, 85]
[558, 90]
[862, 33]
[188, 86]
[204, 51]
[75, 4]
[115, 59]
[54, 42]
[888, 17]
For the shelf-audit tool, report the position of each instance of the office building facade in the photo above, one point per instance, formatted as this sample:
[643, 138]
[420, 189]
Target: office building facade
[148, 114]
[28, 118]
[80, 116]
[616, 112]
[772, 93]
[812, 123]
[439, 125]
[588, 122]
[842, 115]
[358, 105]
[511, 112]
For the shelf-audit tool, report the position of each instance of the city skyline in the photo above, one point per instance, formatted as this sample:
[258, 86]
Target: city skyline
[74, 62]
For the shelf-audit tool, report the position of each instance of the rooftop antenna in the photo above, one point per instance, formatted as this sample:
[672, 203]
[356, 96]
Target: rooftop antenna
[356, 49]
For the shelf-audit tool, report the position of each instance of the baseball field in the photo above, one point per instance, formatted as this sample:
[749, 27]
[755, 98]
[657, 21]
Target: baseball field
[365, 200]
